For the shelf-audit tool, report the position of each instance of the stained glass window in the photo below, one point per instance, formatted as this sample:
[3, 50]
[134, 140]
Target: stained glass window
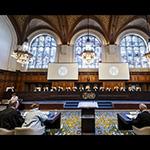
[133, 47]
[43, 48]
[80, 47]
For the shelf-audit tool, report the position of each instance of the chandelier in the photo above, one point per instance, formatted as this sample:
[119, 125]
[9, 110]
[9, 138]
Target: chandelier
[147, 55]
[21, 54]
[88, 55]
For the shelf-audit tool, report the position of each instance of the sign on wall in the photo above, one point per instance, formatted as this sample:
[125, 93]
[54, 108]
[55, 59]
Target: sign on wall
[62, 71]
[114, 71]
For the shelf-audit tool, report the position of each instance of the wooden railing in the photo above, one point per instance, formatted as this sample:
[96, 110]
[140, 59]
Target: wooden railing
[79, 95]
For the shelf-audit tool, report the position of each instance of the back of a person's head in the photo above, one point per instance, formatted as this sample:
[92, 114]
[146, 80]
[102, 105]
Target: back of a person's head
[13, 103]
[142, 107]
[14, 94]
[34, 105]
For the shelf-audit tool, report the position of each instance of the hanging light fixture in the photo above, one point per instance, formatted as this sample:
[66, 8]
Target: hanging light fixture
[21, 54]
[88, 55]
[147, 55]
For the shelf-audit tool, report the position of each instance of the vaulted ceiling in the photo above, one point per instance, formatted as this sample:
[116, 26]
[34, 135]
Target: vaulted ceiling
[65, 26]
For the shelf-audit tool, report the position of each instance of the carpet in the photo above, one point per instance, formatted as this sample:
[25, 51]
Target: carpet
[105, 124]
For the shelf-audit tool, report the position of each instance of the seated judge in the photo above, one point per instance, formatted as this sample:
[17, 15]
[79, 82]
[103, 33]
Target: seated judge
[95, 87]
[74, 89]
[116, 88]
[35, 118]
[10, 117]
[143, 118]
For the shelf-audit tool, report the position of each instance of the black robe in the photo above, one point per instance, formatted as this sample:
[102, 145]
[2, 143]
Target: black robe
[10, 118]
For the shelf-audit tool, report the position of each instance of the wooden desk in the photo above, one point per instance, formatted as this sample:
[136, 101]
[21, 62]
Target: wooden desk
[53, 122]
[87, 117]
[124, 123]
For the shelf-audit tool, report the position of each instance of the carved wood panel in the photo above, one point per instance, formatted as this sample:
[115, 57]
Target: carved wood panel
[19, 79]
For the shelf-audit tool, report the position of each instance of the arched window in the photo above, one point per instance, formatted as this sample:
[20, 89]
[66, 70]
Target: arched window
[43, 47]
[79, 48]
[133, 47]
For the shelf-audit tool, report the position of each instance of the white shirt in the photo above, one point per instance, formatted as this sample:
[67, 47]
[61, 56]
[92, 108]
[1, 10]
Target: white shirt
[34, 118]
[14, 98]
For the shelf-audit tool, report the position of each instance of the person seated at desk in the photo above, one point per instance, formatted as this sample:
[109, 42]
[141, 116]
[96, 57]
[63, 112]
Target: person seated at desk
[101, 88]
[116, 88]
[143, 118]
[138, 88]
[74, 89]
[108, 89]
[10, 117]
[122, 89]
[35, 118]
[88, 88]
[60, 89]
[95, 87]
[68, 89]
[81, 88]
[53, 89]
[14, 97]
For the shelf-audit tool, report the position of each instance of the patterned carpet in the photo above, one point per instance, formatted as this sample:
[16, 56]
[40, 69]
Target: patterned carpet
[105, 123]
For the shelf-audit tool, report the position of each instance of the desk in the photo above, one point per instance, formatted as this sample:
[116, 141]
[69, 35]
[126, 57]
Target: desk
[124, 123]
[53, 122]
[88, 117]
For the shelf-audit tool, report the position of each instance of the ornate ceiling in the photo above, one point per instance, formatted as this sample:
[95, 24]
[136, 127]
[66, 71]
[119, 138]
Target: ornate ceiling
[65, 26]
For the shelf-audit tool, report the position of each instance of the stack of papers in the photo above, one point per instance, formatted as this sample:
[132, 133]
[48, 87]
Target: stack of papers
[87, 104]
[132, 115]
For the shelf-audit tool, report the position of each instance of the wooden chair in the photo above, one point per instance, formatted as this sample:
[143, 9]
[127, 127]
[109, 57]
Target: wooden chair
[29, 131]
[4, 131]
[141, 131]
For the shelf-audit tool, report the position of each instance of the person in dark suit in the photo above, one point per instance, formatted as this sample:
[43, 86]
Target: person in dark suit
[143, 118]
[10, 117]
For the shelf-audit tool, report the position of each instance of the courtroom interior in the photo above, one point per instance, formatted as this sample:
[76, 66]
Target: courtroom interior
[87, 73]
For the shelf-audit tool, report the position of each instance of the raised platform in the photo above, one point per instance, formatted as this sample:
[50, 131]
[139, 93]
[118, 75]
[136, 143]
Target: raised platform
[71, 104]
[67, 96]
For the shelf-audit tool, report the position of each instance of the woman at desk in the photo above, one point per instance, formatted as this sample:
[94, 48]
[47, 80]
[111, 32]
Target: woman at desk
[143, 118]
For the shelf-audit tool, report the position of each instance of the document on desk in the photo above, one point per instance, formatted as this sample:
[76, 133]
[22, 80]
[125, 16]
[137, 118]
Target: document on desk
[131, 116]
[87, 104]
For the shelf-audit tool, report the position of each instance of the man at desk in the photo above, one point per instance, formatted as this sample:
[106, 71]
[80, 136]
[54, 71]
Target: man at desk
[38, 119]
[143, 118]
[35, 118]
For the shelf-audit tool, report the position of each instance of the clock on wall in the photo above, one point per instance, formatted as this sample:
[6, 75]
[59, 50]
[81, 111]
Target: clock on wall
[113, 70]
[62, 71]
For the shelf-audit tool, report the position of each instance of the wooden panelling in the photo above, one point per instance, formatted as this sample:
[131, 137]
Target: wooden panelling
[7, 79]
[63, 84]
[20, 79]
[44, 96]
[88, 77]
[44, 106]
[128, 106]
[112, 84]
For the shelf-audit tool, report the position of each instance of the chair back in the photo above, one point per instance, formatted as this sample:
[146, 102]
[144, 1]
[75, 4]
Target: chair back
[4, 131]
[29, 131]
[141, 131]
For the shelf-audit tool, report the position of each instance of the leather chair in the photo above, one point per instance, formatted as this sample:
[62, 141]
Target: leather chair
[29, 131]
[141, 131]
[4, 131]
